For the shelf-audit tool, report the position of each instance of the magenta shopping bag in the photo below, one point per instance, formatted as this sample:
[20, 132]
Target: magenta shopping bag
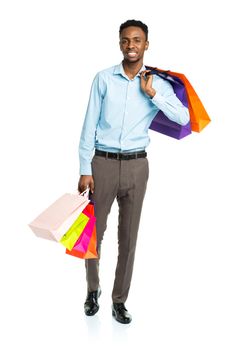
[83, 241]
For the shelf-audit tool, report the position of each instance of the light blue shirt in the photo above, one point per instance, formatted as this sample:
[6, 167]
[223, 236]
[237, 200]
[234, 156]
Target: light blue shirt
[119, 114]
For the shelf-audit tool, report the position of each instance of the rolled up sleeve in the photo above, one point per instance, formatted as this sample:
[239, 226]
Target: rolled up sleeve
[166, 100]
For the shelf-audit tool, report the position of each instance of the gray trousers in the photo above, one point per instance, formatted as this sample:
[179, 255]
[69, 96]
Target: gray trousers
[125, 180]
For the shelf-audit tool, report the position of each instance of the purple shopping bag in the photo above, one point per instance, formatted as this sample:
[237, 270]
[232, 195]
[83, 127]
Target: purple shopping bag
[161, 123]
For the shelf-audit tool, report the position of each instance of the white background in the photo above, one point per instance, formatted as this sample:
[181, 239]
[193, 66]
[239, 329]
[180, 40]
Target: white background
[189, 284]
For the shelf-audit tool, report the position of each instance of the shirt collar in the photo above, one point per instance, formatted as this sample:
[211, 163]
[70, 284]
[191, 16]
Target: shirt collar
[120, 70]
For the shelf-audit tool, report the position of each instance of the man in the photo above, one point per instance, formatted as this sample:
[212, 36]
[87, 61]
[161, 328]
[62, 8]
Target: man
[123, 102]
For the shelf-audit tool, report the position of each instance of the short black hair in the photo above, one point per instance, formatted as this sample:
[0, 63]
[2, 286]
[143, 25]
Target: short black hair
[134, 23]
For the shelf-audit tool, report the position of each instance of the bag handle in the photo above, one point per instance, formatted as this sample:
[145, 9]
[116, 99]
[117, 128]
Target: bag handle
[155, 70]
[164, 74]
[85, 193]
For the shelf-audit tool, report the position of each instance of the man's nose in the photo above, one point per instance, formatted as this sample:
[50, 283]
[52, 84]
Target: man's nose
[130, 44]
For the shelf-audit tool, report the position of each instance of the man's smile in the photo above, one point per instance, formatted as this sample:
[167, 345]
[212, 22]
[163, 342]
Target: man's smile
[132, 54]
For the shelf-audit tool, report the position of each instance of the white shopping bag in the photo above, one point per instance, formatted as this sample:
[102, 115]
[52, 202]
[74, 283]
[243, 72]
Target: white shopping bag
[55, 221]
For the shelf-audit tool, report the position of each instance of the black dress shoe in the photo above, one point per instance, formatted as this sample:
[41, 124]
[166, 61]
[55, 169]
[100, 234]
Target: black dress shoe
[91, 305]
[120, 313]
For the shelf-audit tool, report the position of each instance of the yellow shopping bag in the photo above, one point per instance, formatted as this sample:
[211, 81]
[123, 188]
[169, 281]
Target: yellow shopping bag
[71, 236]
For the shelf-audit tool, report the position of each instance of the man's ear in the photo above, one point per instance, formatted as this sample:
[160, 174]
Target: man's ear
[146, 45]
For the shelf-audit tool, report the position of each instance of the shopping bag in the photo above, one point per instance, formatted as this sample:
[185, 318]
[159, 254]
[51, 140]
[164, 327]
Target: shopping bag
[76, 229]
[91, 252]
[187, 95]
[82, 243]
[55, 221]
[199, 117]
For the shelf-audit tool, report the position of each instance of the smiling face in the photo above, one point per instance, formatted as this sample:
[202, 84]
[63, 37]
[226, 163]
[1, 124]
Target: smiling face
[133, 44]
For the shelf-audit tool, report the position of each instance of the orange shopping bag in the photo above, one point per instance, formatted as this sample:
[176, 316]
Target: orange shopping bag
[199, 118]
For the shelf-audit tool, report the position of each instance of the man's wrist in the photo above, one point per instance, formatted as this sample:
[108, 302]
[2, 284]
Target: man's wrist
[151, 93]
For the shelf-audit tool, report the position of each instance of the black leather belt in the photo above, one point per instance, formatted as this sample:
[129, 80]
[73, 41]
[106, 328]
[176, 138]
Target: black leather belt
[121, 156]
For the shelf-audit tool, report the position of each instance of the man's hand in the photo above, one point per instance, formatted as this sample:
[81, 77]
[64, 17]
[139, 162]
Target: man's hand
[86, 181]
[146, 83]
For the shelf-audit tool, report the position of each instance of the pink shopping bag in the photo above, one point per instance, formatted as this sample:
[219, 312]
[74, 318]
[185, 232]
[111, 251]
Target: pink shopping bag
[55, 221]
